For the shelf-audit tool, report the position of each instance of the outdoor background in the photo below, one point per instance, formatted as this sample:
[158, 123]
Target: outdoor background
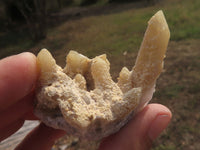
[116, 27]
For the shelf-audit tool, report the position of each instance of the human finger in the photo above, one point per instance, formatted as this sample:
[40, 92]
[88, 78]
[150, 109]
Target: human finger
[30, 116]
[141, 130]
[17, 77]
[42, 137]
[16, 111]
[10, 129]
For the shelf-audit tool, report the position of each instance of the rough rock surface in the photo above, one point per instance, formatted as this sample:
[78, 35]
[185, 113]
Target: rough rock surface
[83, 99]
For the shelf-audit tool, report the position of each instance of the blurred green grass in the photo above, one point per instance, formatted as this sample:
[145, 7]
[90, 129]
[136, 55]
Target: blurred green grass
[112, 33]
[184, 19]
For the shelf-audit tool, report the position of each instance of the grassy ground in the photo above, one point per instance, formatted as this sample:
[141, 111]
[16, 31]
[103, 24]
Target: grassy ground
[178, 88]
[112, 32]
[120, 30]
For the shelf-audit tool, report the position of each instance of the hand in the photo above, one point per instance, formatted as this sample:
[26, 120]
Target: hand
[141, 131]
[17, 79]
[18, 75]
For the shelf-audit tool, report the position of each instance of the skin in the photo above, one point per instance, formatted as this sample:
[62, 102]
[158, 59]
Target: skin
[18, 76]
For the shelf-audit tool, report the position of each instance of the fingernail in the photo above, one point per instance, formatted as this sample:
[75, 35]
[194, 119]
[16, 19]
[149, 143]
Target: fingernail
[158, 125]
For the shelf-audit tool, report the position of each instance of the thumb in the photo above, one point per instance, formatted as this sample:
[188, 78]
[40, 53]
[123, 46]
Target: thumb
[140, 131]
[42, 138]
